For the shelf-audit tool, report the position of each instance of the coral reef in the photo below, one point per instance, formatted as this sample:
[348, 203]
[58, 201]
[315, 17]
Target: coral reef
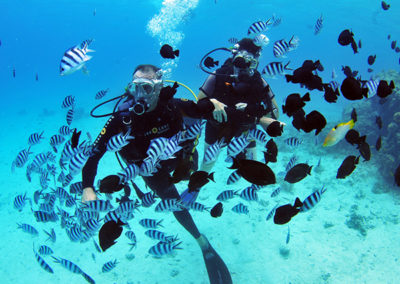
[388, 158]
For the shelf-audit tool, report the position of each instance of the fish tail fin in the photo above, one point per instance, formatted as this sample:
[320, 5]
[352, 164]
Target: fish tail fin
[176, 52]
[235, 164]
[306, 97]
[298, 203]
[286, 66]
[392, 84]
[289, 78]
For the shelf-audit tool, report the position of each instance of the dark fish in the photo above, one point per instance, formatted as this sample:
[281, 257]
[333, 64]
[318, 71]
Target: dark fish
[110, 184]
[347, 167]
[397, 49]
[348, 72]
[294, 103]
[378, 143]
[388, 37]
[288, 235]
[359, 44]
[75, 139]
[354, 115]
[365, 150]
[284, 213]
[272, 152]
[346, 37]
[370, 70]
[217, 210]
[182, 170]
[298, 172]
[378, 121]
[109, 232]
[352, 90]
[393, 45]
[275, 129]
[371, 59]
[306, 77]
[353, 137]
[313, 120]
[199, 179]
[330, 94]
[254, 171]
[397, 176]
[210, 63]
[168, 92]
[385, 6]
[167, 51]
[37, 77]
[13, 72]
[384, 89]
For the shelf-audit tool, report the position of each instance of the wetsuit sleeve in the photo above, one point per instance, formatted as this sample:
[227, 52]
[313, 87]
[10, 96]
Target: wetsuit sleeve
[89, 171]
[209, 85]
[202, 109]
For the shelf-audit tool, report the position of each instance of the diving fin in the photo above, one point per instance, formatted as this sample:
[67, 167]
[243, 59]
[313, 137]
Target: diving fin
[217, 270]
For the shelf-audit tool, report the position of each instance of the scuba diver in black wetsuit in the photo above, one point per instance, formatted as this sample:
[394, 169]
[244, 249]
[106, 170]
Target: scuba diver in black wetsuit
[238, 88]
[146, 117]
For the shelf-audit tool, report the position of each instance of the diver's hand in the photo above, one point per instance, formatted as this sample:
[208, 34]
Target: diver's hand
[219, 112]
[241, 106]
[88, 194]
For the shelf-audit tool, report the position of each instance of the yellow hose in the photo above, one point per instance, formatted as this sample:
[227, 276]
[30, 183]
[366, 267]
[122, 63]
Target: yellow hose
[183, 85]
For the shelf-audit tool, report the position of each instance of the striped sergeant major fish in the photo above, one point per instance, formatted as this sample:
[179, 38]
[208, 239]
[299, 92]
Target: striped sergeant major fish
[150, 223]
[160, 236]
[233, 40]
[249, 194]
[226, 195]
[293, 141]
[35, 138]
[117, 142]
[372, 86]
[291, 163]
[65, 130]
[271, 213]
[275, 68]
[276, 21]
[70, 116]
[168, 205]
[45, 250]
[276, 192]
[148, 167]
[130, 172]
[42, 216]
[100, 94]
[318, 25]
[240, 209]
[70, 266]
[132, 237]
[233, 177]
[261, 40]
[43, 264]
[237, 145]
[157, 147]
[312, 199]
[28, 229]
[281, 47]
[20, 201]
[97, 205]
[213, 151]
[69, 101]
[196, 206]
[258, 27]
[21, 159]
[161, 249]
[193, 131]
[39, 160]
[109, 265]
[257, 135]
[77, 162]
[75, 58]
[170, 149]
[56, 140]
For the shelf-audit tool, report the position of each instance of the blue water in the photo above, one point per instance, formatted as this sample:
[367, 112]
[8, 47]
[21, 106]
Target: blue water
[323, 249]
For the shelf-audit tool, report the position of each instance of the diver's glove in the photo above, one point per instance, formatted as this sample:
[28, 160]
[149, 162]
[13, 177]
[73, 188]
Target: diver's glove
[189, 197]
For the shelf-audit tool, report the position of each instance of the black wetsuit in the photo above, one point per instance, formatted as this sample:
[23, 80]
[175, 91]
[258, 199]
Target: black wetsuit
[255, 92]
[165, 121]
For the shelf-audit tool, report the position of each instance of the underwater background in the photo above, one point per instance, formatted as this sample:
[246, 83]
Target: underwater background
[351, 236]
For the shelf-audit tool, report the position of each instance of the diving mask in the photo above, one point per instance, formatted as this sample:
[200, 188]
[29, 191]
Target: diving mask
[244, 59]
[145, 92]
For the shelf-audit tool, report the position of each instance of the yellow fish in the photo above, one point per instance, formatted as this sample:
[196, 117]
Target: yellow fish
[338, 133]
